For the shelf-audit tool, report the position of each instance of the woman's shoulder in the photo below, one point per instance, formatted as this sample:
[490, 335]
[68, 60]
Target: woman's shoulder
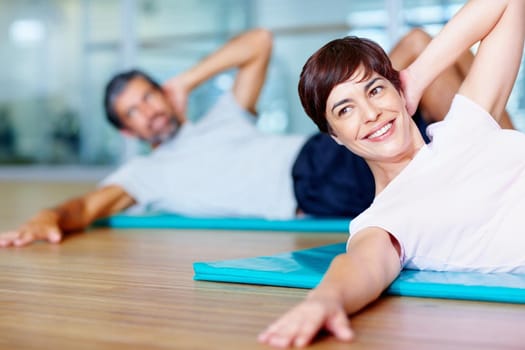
[464, 114]
[465, 108]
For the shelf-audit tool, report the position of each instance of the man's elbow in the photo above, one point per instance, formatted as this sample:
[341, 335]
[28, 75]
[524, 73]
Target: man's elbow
[264, 39]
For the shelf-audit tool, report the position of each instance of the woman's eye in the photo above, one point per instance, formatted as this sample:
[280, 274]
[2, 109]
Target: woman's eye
[344, 110]
[376, 90]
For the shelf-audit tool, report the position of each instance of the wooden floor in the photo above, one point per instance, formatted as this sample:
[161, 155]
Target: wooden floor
[133, 289]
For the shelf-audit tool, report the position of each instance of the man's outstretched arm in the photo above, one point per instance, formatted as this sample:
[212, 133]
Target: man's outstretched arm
[72, 215]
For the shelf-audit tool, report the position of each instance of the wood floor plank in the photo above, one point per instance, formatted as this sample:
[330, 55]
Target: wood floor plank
[133, 289]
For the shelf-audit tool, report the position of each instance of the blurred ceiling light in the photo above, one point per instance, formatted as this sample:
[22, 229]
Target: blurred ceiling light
[371, 18]
[417, 15]
[26, 32]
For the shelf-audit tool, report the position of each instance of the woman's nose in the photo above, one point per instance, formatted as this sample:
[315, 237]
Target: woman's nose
[372, 111]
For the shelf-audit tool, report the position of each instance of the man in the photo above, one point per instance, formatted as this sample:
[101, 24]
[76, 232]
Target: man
[221, 165]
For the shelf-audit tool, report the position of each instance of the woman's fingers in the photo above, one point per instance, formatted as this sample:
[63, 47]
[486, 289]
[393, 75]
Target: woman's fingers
[299, 326]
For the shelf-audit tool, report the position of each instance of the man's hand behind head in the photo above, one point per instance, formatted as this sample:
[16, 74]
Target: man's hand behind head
[177, 93]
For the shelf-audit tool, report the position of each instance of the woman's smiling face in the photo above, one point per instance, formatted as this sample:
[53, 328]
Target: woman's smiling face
[367, 114]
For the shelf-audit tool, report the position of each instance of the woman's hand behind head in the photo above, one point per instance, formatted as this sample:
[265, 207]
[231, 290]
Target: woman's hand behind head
[411, 91]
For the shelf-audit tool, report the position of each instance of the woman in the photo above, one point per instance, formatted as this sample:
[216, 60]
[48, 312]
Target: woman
[470, 179]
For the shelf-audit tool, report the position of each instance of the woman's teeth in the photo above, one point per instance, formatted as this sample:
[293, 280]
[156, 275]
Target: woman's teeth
[381, 131]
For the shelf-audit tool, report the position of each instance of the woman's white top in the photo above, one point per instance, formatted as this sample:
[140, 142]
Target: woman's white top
[459, 205]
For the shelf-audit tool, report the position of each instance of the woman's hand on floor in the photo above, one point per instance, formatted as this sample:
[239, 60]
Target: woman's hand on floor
[299, 326]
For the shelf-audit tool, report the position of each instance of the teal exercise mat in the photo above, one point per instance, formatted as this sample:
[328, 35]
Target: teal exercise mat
[307, 224]
[305, 268]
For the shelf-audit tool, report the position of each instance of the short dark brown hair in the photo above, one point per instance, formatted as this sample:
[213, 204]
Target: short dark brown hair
[335, 63]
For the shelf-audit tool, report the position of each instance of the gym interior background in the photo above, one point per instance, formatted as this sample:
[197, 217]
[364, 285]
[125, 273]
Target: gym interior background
[57, 55]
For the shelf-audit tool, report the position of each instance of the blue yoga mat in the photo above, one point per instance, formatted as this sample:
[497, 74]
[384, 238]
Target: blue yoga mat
[305, 268]
[184, 222]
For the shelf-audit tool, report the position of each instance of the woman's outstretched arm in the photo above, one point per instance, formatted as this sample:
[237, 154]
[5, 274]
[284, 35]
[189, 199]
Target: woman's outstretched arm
[353, 280]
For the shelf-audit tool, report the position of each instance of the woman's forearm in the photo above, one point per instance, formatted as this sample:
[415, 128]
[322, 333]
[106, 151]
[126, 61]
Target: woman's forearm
[359, 276]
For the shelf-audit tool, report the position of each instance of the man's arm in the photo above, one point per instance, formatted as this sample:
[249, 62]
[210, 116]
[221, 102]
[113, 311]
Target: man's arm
[72, 215]
[250, 52]
[353, 280]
